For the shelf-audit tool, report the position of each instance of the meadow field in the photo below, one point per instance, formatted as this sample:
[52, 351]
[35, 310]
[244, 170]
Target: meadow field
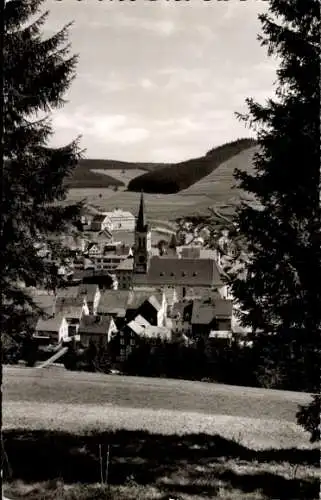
[220, 185]
[167, 437]
[63, 400]
[122, 175]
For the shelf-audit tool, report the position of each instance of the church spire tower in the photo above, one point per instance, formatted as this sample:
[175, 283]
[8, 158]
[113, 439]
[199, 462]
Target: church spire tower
[141, 224]
[143, 241]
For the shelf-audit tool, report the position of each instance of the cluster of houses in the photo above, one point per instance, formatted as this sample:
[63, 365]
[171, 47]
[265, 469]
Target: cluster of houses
[156, 290]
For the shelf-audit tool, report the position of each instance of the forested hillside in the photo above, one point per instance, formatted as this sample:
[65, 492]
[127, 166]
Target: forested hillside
[176, 177]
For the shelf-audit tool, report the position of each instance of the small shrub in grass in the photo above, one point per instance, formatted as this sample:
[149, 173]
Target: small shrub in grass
[309, 417]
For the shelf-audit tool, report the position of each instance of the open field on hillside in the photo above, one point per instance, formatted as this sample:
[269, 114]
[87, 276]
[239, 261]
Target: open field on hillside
[61, 400]
[167, 439]
[214, 190]
[220, 185]
[161, 207]
[122, 175]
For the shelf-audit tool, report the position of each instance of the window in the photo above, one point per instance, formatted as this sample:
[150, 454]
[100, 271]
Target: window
[132, 342]
[122, 341]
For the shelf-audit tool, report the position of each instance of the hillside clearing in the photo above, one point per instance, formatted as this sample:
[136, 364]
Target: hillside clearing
[220, 185]
[167, 439]
[62, 400]
[125, 176]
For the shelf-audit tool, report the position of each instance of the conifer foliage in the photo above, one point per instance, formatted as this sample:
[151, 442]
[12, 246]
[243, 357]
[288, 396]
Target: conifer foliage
[282, 291]
[37, 72]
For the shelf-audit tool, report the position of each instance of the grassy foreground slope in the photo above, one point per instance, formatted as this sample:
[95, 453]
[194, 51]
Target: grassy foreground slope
[174, 178]
[61, 400]
[164, 438]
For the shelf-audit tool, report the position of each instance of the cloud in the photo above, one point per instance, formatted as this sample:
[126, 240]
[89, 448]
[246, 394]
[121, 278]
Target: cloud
[163, 27]
[179, 77]
[146, 83]
[110, 128]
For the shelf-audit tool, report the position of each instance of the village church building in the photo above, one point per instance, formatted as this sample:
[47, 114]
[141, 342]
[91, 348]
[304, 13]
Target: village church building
[186, 278]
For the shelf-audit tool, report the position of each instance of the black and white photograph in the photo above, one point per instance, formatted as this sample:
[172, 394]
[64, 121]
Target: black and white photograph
[160, 250]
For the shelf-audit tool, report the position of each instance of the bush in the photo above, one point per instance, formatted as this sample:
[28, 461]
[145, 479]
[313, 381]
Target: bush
[309, 417]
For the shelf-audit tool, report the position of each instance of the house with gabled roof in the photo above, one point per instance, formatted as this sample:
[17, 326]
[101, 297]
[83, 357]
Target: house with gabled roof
[213, 314]
[180, 317]
[72, 305]
[124, 273]
[113, 302]
[97, 329]
[52, 330]
[132, 335]
[151, 306]
[100, 222]
[92, 295]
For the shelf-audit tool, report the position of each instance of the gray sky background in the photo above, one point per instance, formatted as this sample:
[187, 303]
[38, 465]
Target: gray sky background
[160, 81]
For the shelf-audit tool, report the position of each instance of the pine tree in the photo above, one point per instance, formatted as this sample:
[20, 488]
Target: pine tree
[282, 291]
[36, 73]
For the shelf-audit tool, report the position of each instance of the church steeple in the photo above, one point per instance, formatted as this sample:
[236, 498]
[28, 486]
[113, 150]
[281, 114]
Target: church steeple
[141, 224]
[143, 240]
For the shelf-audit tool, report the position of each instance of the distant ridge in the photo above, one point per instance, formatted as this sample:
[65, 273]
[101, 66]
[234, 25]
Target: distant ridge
[84, 177]
[174, 178]
[159, 178]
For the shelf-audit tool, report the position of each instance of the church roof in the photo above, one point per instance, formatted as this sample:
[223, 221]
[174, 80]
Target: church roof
[185, 272]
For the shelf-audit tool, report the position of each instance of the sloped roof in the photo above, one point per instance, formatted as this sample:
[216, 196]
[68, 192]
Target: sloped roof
[184, 309]
[95, 325]
[45, 302]
[69, 311]
[98, 218]
[126, 265]
[138, 324]
[89, 290]
[118, 212]
[113, 302]
[126, 237]
[69, 292]
[153, 300]
[175, 271]
[204, 312]
[136, 298]
[50, 324]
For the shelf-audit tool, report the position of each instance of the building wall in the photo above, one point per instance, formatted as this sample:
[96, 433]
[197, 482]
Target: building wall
[188, 292]
[85, 339]
[162, 313]
[124, 278]
[181, 326]
[112, 330]
[63, 331]
[107, 262]
[119, 221]
[96, 301]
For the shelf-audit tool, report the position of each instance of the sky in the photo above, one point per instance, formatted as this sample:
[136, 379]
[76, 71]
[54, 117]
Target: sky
[160, 81]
